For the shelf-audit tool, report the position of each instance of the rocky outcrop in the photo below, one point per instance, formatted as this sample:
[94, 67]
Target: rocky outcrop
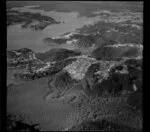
[49, 69]
[18, 57]
[79, 67]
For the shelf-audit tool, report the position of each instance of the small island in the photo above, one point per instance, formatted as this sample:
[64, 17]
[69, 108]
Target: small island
[34, 21]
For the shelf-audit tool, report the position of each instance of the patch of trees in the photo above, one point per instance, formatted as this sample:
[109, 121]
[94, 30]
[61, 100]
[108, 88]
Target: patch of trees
[115, 84]
[58, 66]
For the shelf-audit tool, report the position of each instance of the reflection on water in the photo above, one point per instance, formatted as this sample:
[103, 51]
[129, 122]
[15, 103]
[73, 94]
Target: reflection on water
[21, 38]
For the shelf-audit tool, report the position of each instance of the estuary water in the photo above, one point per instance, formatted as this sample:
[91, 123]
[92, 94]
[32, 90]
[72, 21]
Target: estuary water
[27, 38]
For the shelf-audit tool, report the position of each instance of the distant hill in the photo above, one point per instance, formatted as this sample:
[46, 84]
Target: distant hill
[105, 52]
[56, 55]
[85, 8]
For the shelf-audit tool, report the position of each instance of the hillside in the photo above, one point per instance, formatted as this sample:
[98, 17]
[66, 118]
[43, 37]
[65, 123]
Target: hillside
[117, 51]
[56, 55]
[108, 81]
[96, 89]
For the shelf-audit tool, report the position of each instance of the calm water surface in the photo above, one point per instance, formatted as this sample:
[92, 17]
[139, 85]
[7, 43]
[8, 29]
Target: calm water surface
[21, 38]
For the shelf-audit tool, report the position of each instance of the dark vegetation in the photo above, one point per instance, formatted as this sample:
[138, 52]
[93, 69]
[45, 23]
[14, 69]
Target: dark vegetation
[113, 86]
[60, 65]
[57, 67]
[101, 125]
[116, 83]
[15, 124]
[117, 33]
[56, 55]
[90, 79]
[63, 81]
[109, 108]
[105, 53]
[133, 62]
[85, 42]
[135, 100]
